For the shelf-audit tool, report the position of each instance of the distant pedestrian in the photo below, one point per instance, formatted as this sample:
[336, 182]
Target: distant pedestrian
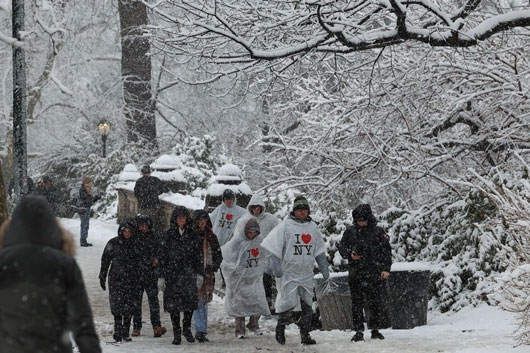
[124, 285]
[146, 190]
[295, 244]
[47, 190]
[224, 217]
[42, 294]
[243, 265]
[148, 250]
[181, 271]
[212, 257]
[267, 221]
[367, 248]
[85, 201]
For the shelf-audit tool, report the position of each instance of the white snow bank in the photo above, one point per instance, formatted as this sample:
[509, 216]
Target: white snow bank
[411, 266]
[230, 170]
[217, 189]
[129, 173]
[190, 202]
[173, 175]
[166, 161]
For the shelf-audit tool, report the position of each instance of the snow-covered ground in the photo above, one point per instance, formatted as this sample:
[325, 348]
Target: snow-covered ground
[474, 330]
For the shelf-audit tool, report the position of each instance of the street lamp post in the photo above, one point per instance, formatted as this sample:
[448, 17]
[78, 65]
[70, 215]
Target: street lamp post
[104, 129]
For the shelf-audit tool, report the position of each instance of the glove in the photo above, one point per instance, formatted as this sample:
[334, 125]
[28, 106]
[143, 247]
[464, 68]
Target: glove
[102, 281]
[161, 284]
[200, 281]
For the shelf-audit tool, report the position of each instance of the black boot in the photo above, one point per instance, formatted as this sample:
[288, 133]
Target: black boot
[377, 335]
[280, 334]
[176, 337]
[118, 329]
[306, 339]
[186, 332]
[201, 337]
[359, 336]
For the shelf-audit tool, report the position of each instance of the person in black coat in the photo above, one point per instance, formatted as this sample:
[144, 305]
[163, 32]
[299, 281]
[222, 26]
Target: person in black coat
[124, 279]
[147, 248]
[86, 199]
[42, 294]
[367, 248]
[47, 190]
[181, 265]
[146, 191]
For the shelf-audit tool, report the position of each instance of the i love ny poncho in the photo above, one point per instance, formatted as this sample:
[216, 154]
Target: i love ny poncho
[296, 243]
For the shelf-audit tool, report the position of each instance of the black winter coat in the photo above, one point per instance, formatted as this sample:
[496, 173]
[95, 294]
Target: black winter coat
[85, 200]
[146, 191]
[42, 294]
[148, 249]
[181, 261]
[121, 256]
[371, 243]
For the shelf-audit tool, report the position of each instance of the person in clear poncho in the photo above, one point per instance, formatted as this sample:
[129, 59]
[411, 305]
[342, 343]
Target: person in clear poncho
[243, 265]
[295, 245]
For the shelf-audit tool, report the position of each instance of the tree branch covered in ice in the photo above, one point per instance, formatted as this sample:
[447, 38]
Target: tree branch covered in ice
[231, 31]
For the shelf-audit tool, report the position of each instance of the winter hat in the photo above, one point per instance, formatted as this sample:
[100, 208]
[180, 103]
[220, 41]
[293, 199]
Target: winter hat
[363, 212]
[146, 169]
[143, 219]
[252, 225]
[228, 195]
[300, 203]
[33, 222]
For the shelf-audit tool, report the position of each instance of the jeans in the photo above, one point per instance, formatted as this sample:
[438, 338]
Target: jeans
[151, 288]
[200, 317]
[85, 219]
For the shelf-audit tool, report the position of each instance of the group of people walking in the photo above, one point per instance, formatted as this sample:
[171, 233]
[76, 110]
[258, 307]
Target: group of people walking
[254, 249]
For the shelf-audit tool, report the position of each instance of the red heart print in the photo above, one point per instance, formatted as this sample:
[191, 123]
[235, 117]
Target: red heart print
[306, 238]
[229, 217]
[254, 252]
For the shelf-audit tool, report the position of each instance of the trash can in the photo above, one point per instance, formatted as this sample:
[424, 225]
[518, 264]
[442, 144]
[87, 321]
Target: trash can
[408, 287]
[334, 301]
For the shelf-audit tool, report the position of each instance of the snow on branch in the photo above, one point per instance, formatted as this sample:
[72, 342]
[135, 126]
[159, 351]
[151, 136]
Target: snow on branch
[259, 30]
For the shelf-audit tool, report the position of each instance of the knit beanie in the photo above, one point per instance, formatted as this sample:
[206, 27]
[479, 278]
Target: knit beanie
[300, 202]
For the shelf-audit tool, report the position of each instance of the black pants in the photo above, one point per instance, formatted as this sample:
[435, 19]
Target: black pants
[366, 288]
[267, 284]
[122, 324]
[150, 286]
[186, 321]
[286, 318]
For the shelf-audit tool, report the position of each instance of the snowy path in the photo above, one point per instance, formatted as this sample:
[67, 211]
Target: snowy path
[475, 330]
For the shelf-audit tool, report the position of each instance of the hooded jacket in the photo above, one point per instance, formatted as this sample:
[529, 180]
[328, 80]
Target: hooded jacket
[181, 262]
[121, 256]
[266, 220]
[370, 242]
[41, 287]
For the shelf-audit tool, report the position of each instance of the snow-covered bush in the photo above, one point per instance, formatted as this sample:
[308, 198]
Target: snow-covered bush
[510, 192]
[197, 162]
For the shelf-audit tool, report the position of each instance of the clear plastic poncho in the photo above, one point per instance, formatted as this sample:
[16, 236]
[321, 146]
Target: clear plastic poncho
[244, 262]
[224, 221]
[297, 244]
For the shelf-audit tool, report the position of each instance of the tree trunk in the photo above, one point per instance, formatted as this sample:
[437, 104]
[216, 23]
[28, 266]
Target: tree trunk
[136, 72]
[3, 198]
[19, 101]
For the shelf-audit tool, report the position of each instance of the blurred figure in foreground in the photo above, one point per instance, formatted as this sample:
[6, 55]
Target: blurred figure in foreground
[41, 288]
